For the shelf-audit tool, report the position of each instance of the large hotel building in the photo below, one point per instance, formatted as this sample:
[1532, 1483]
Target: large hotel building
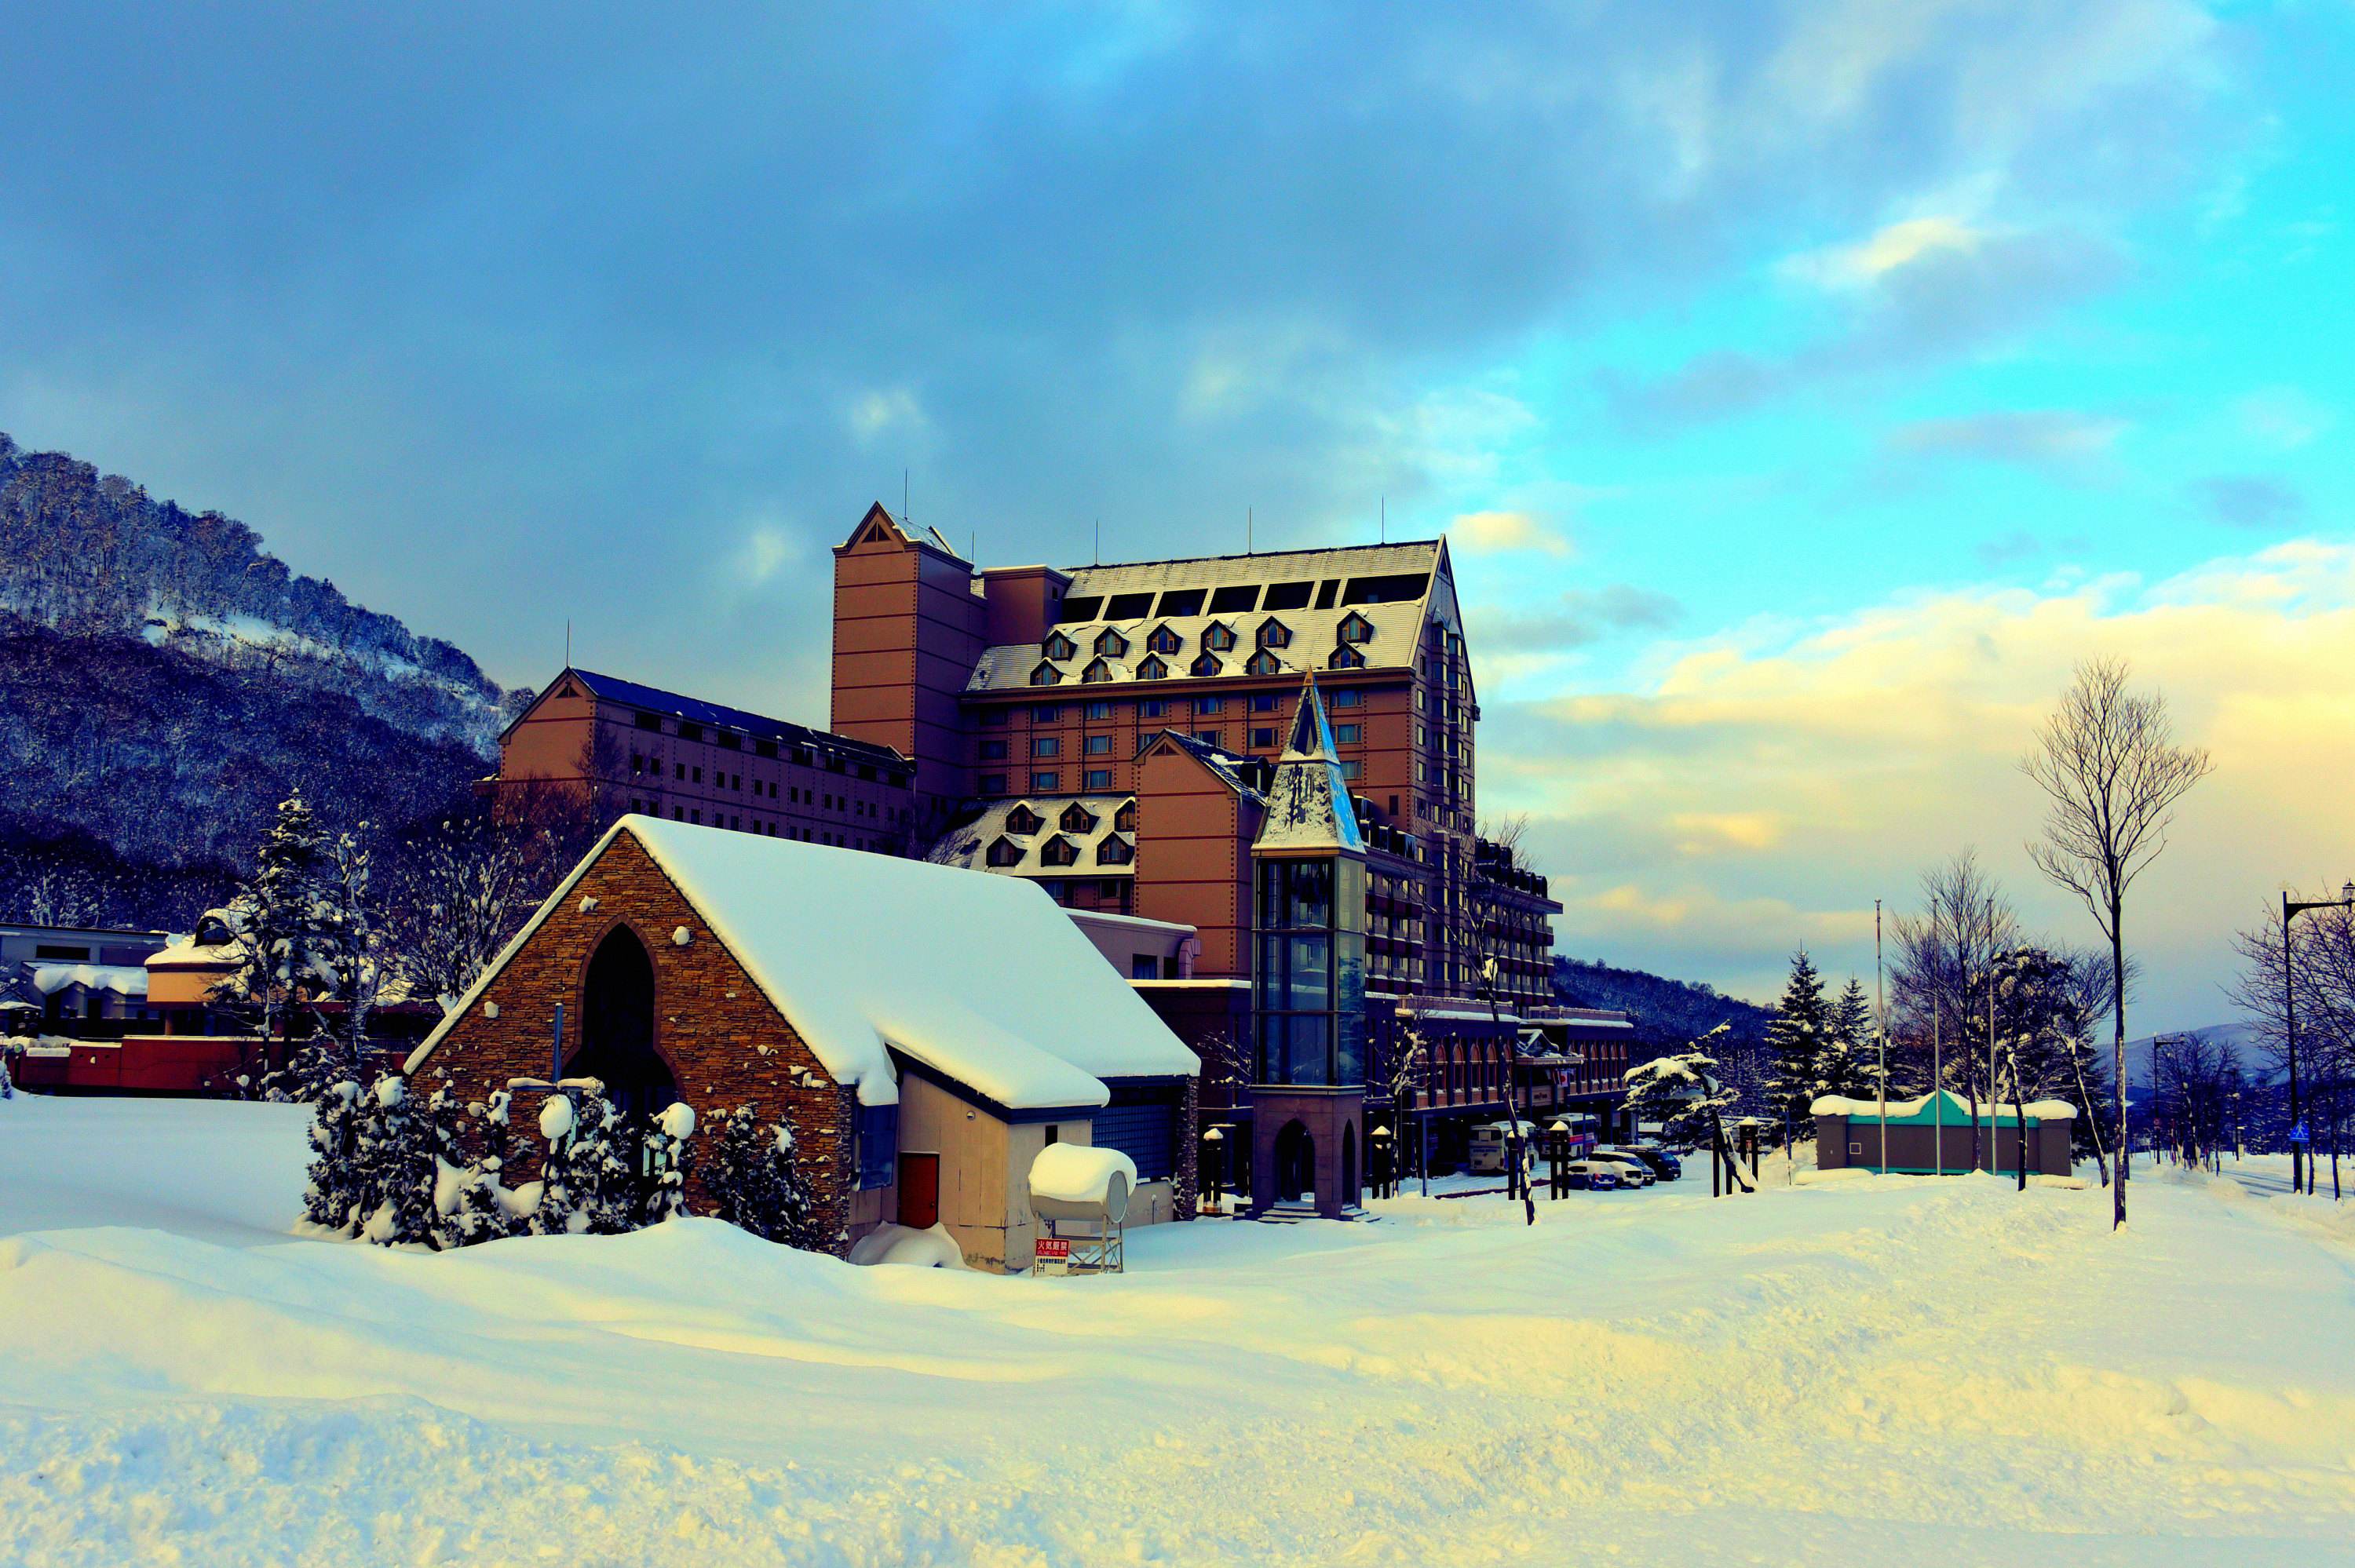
[1261, 766]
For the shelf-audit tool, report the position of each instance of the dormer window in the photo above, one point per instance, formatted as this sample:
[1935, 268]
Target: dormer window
[1275, 635]
[1095, 674]
[1046, 676]
[1265, 663]
[1208, 664]
[1078, 818]
[1114, 850]
[1163, 640]
[1059, 850]
[1059, 647]
[1355, 628]
[1218, 637]
[1152, 668]
[1112, 645]
[1125, 820]
[1023, 819]
[1004, 853]
[1346, 659]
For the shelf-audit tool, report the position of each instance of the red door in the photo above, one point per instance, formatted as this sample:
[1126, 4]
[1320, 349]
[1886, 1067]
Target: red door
[920, 1191]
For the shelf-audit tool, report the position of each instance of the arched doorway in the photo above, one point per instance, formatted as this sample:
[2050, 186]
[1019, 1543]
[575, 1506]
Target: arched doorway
[1351, 1193]
[617, 1028]
[1295, 1163]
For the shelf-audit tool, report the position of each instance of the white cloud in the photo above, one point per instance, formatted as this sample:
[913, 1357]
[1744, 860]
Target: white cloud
[885, 411]
[1502, 530]
[1898, 245]
[1757, 796]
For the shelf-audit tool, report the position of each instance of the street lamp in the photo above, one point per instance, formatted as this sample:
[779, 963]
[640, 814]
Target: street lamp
[2290, 907]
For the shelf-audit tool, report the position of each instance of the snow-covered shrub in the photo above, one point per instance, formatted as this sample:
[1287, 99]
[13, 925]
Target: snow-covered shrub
[12, 1046]
[332, 1199]
[470, 1202]
[396, 1157]
[603, 1174]
[757, 1183]
[665, 1163]
[553, 1208]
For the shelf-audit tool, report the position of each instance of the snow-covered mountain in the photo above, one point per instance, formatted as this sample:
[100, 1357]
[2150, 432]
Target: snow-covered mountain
[165, 681]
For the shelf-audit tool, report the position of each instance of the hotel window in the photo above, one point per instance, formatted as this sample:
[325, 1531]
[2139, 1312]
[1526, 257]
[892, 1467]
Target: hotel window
[1112, 645]
[1045, 745]
[1152, 668]
[1059, 850]
[1262, 738]
[1344, 698]
[1346, 659]
[1275, 635]
[1097, 779]
[1356, 629]
[992, 750]
[1023, 819]
[1263, 663]
[698, 774]
[1346, 734]
[1144, 966]
[1044, 781]
[992, 718]
[689, 731]
[650, 721]
[1264, 703]
[1163, 640]
[1114, 850]
[1058, 647]
[1352, 768]
[1206, 737]
[1096, 673]
[1218, 636]
[1205, 708]
[679, 770]
[1100, 710]
[1045, 713]
[1125, 820]
[1099, 745]
[1004, 851]
[1152, 707]
[1046, 676]
[1208, 664]
[1077, 819]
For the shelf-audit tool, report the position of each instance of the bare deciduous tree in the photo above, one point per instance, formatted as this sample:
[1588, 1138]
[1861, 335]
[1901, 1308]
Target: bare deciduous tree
[2107, 761]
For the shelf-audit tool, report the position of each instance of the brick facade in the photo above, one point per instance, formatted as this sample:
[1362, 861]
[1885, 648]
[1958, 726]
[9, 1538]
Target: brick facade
[725, 1043]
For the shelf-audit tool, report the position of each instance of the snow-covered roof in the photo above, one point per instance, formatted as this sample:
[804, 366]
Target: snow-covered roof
[1307, 801]
[982, 978]
[1957, 1108]
[1314, 628]
[126, 980]
[969, 846]
[1078, 1172]
[184, 952]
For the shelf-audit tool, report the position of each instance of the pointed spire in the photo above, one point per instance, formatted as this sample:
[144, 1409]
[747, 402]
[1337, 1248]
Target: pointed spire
[1307, 802]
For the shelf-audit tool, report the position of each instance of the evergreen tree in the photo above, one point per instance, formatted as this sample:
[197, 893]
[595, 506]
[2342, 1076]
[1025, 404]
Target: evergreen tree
[470, 1202]
[1684, 1092]
[598, 1168]
[555, 1209]
[757, 1183]
[289, 923]
[333, 1198]
[665, 1161]
[1797, 1042]
[1851, 1057]
[396, 1153]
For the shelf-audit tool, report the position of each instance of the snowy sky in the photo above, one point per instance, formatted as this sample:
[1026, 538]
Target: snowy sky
[1805, 386]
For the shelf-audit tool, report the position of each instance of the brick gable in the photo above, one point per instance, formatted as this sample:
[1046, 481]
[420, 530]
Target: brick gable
[725, 1043]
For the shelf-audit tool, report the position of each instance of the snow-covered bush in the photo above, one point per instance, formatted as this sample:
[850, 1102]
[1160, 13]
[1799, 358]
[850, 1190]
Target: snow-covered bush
[332, 1199]
[470, 1204]
[396, 1157]
[553, 1209]
[12, 1047]
[665, 1163]
[756, 1180]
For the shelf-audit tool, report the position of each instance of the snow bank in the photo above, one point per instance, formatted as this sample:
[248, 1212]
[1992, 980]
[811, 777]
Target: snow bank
[933, 1248]
[1078, 1172]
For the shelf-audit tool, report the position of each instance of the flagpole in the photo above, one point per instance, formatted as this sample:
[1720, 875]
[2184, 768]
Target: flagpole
[1881, 997]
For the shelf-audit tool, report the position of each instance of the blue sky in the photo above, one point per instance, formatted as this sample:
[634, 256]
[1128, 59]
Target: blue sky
[1805, 386]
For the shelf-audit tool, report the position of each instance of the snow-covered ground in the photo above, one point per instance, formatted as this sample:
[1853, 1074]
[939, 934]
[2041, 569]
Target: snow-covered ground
[1896, 1371]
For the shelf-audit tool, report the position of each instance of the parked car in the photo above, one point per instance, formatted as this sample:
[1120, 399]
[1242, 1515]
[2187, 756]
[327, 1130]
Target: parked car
[1651, 1156]
[1632, 1171]
[1594, 1175]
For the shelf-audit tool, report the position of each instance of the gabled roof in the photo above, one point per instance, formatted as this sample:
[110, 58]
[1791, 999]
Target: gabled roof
[967, 846]
[1239, 773]
[982, 978]
[671, 705]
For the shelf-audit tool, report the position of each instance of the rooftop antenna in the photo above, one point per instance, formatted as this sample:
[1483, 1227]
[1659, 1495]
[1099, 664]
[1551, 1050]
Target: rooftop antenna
[1386, 520]
[568, 643]
[971, 544]
[1100, 541]
[904, 496]
[1247, 530]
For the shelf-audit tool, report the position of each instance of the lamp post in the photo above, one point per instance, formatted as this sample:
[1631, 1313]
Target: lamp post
[2300, 1169]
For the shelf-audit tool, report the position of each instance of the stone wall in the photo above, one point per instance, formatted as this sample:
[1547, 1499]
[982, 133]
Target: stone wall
[724, 1043]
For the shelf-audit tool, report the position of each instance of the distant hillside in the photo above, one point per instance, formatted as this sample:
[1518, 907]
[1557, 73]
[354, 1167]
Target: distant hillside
[1668, 1012]
[165, 682]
